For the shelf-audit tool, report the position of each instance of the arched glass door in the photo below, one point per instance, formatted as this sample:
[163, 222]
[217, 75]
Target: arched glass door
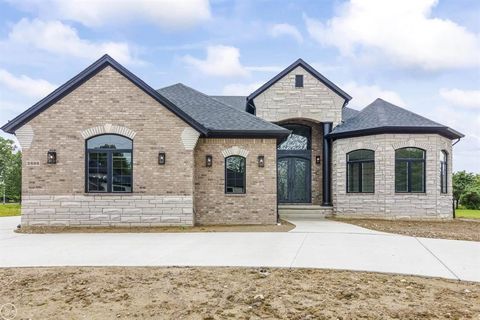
[294, 166]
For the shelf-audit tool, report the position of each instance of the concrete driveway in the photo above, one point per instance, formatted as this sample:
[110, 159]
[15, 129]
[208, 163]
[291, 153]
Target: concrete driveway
[312, 244]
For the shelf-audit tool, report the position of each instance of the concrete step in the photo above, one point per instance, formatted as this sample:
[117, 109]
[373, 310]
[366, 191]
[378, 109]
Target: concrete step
[304, 211]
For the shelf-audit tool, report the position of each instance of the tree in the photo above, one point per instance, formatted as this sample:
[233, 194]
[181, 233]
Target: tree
[471, 198]
[462, 180]
[10, 170]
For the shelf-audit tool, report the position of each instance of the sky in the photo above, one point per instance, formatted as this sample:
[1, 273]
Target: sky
[423, 55]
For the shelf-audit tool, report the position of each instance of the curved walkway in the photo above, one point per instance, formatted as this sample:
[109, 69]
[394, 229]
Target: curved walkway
[312, 244]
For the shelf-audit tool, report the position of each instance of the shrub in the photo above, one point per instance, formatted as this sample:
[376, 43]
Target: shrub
[471, 198]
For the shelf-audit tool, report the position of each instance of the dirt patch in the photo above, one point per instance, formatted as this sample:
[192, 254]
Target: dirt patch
[236, 293]
[284, 226]
[453, 229]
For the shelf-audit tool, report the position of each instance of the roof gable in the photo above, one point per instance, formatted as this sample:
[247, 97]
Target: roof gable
[384, 117]
[309, 69]
[83, 76]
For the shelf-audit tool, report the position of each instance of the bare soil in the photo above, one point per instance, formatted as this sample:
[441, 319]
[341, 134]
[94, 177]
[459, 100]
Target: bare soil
[453, 229]
[232, 293]
[284, 226]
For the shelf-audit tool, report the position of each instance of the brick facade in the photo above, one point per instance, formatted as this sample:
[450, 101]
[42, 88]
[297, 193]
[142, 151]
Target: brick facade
[258, 205]
[385, 202]
[105, 102]
[315, 101]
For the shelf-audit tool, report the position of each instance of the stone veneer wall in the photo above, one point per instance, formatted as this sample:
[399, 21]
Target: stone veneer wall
[385, 202]
[314, 101]
[107, 102]
[317, 141]
[258, 205]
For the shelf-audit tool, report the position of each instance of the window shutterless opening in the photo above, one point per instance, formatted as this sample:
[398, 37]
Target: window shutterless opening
[298, 81]
[109, 164]
[361, 171]
[235, 175]
[410, 170]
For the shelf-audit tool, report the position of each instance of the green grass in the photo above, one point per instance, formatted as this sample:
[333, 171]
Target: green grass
[9, 209]
[467, 213]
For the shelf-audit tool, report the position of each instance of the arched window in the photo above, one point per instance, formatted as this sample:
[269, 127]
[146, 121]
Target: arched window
[361, 171]
[235, 174]
[443, 171]
[409, 170]
[109, 164]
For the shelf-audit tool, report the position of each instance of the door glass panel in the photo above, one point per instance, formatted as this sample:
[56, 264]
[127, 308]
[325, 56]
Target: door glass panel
[299, 180]
[282, 169]
[97, 171]
[121, 172]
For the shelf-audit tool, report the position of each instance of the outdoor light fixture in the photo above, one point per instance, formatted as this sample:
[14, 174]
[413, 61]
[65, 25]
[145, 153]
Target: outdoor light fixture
[51, 157]
[261, 161]
[208, 160]
[317, 159]
[161, 158]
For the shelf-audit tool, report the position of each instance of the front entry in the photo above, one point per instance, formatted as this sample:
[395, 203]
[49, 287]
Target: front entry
[294, 166]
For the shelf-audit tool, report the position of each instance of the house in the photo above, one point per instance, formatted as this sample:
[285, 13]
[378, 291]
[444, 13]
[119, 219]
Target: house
[105, 149]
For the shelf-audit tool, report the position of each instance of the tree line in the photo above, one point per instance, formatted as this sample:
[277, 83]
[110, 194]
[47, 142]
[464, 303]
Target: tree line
[466, 189]
[10, 171]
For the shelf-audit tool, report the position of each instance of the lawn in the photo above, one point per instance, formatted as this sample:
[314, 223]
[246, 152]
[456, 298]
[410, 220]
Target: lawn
[9, 209]
[467, 213]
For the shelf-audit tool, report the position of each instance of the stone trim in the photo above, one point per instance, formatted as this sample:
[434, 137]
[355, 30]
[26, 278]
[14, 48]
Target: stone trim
[359, 145]
[235, 151]
[189, 138]
[108, 128]
[107, 210]
[412, 143]
[25, 136]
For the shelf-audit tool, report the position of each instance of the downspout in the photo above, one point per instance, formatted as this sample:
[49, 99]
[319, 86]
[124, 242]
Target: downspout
[326, 178]
[453, 199]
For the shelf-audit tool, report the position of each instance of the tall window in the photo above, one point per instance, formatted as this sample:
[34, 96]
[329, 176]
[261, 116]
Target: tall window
[443, 171]
[235, 174]
[409, 170]
[109, 164]
[361, 171]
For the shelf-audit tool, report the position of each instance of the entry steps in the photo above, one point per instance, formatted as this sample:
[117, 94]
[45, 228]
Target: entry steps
[304, 211]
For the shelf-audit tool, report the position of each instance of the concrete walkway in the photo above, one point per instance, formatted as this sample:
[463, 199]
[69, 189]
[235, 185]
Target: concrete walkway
[312, 244]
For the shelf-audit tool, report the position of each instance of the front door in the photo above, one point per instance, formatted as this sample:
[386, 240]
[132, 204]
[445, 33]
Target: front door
[293, 180]
[294, 166]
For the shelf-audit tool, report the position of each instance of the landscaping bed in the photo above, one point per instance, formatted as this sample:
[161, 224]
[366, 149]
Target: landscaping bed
[284, 226]
[452, 229]
[236, 293]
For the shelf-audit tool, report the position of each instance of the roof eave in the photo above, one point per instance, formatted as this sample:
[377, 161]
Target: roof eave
[247, 133]
[443, 131]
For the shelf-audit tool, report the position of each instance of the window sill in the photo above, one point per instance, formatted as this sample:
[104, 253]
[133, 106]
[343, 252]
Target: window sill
[235, 194]
[108, 194]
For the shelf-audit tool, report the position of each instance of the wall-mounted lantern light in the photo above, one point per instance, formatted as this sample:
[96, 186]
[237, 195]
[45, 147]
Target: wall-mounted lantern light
[261, 161]
[208, 160]
[317, 159]
[161, 158]
[51, 157]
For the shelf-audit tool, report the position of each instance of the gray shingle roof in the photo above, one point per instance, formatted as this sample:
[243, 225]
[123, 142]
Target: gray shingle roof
[383, 117]
[348, 113]
[238, 102]
[218, 117]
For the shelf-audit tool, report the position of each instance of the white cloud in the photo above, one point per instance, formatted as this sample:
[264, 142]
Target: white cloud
[221, 61]
[164, 13]
[462, 98]
[363, 95]
[59, 38]
[285, 29]
[401, 31]
[25, 85]
[241, 89]
[265, 68]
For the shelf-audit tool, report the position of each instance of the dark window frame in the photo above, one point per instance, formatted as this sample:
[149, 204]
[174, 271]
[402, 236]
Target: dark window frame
[409, 162]
[109, 153]
[360, 179]
[244, 175]
[444, 172]
[299, 81]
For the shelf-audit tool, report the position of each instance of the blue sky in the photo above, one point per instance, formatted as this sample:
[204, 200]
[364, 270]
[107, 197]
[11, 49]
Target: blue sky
[423, 55]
